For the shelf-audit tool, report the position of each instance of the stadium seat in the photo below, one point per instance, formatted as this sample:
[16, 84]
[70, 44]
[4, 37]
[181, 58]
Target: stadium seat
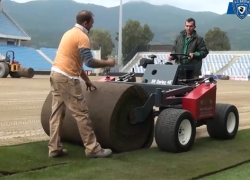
[212, 63]
[27, 56]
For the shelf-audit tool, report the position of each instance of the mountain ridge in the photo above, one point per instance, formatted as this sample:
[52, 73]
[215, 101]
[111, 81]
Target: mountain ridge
[50, 19]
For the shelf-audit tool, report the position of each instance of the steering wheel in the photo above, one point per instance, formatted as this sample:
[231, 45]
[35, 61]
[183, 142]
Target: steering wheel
[175, 55]
[210, 79]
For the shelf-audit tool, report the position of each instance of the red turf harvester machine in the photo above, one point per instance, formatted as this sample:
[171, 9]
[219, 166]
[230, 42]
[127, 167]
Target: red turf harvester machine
[123, 111]
[183, 105]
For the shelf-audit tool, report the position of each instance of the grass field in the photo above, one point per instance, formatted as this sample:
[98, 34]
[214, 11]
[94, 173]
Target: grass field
[207, 156]
[20, 123]
[239, 172]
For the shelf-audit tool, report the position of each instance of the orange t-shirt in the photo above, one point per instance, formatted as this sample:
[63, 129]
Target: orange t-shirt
[68, 58]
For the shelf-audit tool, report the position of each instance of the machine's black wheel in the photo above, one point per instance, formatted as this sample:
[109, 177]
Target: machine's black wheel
[175, 130]
[14, 75]
[4, 70]
[225, 124]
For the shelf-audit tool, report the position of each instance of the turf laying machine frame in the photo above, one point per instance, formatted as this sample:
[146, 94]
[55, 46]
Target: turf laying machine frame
[13, 68]
[123, 113]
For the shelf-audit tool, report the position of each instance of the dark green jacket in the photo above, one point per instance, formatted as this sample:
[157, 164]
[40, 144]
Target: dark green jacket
[195, 44]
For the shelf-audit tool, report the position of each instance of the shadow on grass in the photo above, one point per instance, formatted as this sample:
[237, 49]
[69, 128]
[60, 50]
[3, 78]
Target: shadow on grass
[206, 156]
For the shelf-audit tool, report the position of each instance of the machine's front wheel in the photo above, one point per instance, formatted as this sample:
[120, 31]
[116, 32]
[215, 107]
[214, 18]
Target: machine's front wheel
[225, 123]
[175, 130]
[4, 70]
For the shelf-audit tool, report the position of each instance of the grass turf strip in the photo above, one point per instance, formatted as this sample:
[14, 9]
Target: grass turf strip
[240, 172]
[206, 156]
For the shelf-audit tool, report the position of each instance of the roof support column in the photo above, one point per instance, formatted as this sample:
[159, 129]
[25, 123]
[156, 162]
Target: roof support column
[1, 6]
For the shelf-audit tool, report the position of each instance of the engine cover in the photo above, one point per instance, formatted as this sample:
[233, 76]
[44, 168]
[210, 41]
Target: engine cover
[201, 101]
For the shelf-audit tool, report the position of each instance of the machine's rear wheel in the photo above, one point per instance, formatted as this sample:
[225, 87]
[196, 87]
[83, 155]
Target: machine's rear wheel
[4, 70]
[175, 130]
[14, 75]
[225, 123]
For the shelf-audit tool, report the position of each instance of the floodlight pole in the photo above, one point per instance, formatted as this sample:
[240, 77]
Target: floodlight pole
[120, 36]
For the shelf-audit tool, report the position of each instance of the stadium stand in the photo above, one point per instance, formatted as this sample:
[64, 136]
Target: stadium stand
[212, 63]
[49, 52]
[28, 57]
[9, 29]
[241, 67]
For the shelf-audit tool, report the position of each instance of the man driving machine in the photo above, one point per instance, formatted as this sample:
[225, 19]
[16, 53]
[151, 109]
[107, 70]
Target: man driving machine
[190, 43]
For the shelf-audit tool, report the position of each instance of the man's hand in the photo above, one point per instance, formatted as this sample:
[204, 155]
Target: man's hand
[110, 62]
[90, 86]
[170, 58]
[191, 56]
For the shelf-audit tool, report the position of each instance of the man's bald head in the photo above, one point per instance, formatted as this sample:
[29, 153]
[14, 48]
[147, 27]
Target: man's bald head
[85, 18]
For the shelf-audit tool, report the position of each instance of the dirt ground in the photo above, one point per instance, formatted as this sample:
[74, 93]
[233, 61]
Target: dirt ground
[22, 99]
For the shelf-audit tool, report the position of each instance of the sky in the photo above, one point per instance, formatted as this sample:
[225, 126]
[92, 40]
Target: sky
[216, 6]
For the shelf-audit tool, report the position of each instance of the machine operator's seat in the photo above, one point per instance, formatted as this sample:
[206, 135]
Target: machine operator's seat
[7, 59]
[144, 61]
[152, 56]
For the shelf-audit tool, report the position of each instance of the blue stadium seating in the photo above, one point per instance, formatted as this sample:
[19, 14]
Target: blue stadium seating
[241, 67]
[7, 27]
[51, 53]
[212, 63]
[28, 57]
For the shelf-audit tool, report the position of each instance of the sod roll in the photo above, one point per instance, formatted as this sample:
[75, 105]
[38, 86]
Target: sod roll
[225, 77]
[26, 72]
[110, 108]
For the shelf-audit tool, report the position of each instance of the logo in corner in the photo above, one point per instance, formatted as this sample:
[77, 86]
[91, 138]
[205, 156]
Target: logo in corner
[241, 8]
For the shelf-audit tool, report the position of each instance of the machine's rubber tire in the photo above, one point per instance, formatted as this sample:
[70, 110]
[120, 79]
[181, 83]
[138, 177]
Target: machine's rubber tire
[4, 70]
[14, 75]
[225, 124]
[167, 130]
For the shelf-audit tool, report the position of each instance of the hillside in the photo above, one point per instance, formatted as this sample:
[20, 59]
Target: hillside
[46, 20]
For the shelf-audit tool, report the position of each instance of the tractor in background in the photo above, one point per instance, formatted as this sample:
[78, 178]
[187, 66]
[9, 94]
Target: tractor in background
[9, 66]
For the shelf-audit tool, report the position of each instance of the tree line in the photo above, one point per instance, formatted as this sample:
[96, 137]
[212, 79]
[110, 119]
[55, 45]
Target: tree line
[133, 34]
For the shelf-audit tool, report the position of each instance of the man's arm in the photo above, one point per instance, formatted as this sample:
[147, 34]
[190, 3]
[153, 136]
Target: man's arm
[173, 49]
[202, 50]
[89, 60]
[84, 76]
[174, 46]
[86, 55]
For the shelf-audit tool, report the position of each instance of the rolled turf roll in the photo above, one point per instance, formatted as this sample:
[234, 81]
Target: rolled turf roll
[225, 77]
[26, 72]
[110, 108]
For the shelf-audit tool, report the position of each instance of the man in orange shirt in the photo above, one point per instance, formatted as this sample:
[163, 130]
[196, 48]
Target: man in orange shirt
[73, 50]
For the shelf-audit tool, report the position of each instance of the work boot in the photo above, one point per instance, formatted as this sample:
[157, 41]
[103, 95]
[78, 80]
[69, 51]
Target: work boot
[103, 153]
[61, 153]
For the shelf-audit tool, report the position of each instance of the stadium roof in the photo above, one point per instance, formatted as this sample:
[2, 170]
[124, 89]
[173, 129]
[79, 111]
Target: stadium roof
[9, 28]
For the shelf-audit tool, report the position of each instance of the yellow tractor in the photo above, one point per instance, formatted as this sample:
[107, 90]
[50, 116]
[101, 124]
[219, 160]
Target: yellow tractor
[13, 68]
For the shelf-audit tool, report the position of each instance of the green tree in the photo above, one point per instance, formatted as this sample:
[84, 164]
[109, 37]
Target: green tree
[217, 40]
[134, 34]
[102, 39]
